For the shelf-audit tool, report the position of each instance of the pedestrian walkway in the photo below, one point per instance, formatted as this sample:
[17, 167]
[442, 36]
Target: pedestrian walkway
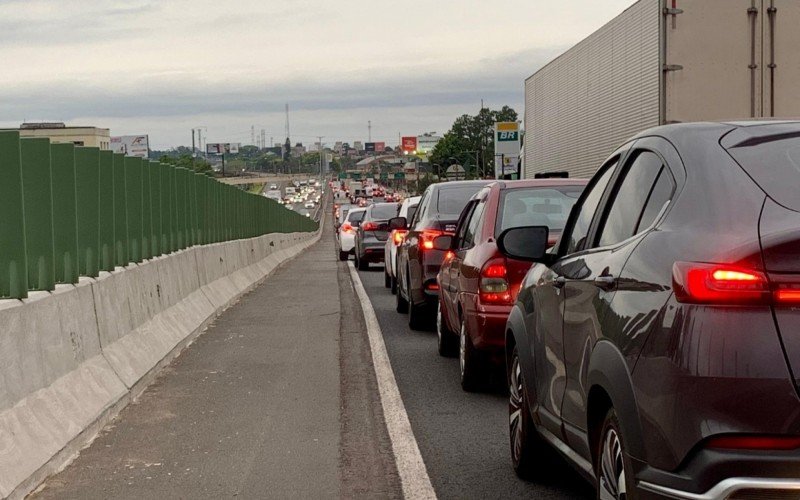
[251, 409]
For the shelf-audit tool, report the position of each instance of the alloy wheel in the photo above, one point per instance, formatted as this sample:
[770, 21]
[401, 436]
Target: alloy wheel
[515, 408]
[612, 468]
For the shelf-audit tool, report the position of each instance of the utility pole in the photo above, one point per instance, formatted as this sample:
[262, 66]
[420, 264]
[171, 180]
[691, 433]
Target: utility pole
[321, 152]
[253, 135]
[194, 151]
[369, 131]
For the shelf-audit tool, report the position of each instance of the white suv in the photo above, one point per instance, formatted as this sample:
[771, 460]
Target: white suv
[407, 210]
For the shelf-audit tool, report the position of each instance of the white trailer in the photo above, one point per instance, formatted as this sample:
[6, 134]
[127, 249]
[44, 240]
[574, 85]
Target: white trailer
[660, 62]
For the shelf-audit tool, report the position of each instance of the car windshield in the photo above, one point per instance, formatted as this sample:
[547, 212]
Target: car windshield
[548, 206]
[411, 211]
[775, 166]
[452, 200]
[384, 211]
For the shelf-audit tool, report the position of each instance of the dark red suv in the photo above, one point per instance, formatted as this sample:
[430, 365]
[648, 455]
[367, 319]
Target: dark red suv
[657, 347]
[477, 284]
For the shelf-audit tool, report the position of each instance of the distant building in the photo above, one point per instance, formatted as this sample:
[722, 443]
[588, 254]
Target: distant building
[58, 132]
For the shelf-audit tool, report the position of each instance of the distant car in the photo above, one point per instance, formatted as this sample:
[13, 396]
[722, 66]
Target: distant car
[347, 232]
[273, 187]
[477, 284]
[372, 234]
[309, 204]
[396, 236]
[417, 261]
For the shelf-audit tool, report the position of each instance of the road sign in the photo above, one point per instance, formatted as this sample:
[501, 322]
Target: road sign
[456, 173]
[342, 176]
[384, 176]
[506, 148]
[399, 176]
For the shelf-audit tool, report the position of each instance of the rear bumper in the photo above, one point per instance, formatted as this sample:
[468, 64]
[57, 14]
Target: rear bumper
[347, 242]
[372, 250]
[713, 474]
[489, 334]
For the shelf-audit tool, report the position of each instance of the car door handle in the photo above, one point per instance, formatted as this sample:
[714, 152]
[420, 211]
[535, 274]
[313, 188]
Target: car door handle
[606, 282]
[560, 282]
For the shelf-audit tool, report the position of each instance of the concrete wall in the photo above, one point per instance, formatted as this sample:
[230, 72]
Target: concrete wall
[72, 359]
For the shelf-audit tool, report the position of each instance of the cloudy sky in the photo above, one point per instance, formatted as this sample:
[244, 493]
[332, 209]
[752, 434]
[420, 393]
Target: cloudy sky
[163, 67]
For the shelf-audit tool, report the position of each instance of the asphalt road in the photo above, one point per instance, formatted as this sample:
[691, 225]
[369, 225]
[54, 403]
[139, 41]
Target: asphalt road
[463, 437]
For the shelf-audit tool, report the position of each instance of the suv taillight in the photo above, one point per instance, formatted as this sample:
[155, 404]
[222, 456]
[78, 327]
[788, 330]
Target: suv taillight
[347, 227]
[723, 284]
[369, 226]
[494, 287]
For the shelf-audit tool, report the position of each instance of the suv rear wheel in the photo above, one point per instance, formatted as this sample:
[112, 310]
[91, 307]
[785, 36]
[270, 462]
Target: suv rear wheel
[343, 255]
[613, 468]
[402, 303]
[417, 316]
[529, 453]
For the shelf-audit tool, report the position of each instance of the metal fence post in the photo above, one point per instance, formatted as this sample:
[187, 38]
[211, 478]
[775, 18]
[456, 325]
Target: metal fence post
[147, 211]
[121, 244]
[13, 258]
[87, 178]
[106, 221]
[156, 248]
[133, 195]
[65, 213]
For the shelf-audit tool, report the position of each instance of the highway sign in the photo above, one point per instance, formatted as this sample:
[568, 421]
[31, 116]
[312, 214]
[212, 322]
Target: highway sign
[456, 173]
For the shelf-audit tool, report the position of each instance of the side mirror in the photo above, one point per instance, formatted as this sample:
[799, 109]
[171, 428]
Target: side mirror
[398, 223]
[528, 243]
[443, 242]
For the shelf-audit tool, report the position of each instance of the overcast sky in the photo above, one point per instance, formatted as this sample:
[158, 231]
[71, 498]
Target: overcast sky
[164, 67]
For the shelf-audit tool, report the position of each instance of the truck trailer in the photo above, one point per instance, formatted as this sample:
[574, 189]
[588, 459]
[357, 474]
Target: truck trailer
[661, 62]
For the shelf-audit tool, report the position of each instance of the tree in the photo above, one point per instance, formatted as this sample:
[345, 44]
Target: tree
[198, 165]
[470, 141]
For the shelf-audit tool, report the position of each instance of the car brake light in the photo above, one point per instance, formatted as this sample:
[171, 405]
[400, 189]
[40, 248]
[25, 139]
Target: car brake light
[494, 287]
[426, 238]
[700, 283]
[398, 235]
[785, 289]
[754, 442]
[369, 226]
[347, 227]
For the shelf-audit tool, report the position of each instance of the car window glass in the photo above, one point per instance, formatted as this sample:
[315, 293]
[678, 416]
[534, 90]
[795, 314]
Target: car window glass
[356, 216]
[463, 225]
[383, 211]
[540, 206]
[422, 207]
[452, 200]
[630, 198]
[473, 225]
[662, 193]
[583, 220]
[411, 211]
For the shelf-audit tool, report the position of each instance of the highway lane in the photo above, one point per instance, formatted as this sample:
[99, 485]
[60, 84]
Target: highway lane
[463, 437]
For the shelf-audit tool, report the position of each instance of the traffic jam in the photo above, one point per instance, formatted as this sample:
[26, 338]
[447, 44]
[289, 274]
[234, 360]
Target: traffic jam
[641, 323]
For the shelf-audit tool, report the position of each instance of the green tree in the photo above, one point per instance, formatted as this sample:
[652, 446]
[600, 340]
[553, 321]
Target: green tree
[198, 165]
[470, 141]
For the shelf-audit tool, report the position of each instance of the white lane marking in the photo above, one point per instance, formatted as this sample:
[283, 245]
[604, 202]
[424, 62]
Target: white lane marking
[413, 475]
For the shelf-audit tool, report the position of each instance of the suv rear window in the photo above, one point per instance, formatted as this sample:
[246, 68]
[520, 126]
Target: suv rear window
[775, 166]
[384, 211]
[452, 200]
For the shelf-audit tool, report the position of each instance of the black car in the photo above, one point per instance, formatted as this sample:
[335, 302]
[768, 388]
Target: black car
[417, 261]
[372, 234]
[657, 347]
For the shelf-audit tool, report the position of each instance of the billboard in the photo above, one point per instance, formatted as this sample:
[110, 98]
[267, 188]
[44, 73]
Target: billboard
[369, 147]
[380, 147]
[221, 148]
[506, 148]
[131, 145]
[409, 145]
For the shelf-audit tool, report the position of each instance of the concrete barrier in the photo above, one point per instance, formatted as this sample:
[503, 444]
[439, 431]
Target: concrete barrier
[70, 360]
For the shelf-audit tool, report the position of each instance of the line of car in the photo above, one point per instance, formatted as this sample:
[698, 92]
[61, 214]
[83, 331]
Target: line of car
[647, 320]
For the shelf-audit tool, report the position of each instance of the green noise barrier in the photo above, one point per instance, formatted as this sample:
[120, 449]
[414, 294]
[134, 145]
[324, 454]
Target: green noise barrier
[71, 211]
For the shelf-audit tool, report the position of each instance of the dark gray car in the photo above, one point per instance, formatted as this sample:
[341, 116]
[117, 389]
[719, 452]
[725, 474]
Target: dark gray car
[373, 232]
